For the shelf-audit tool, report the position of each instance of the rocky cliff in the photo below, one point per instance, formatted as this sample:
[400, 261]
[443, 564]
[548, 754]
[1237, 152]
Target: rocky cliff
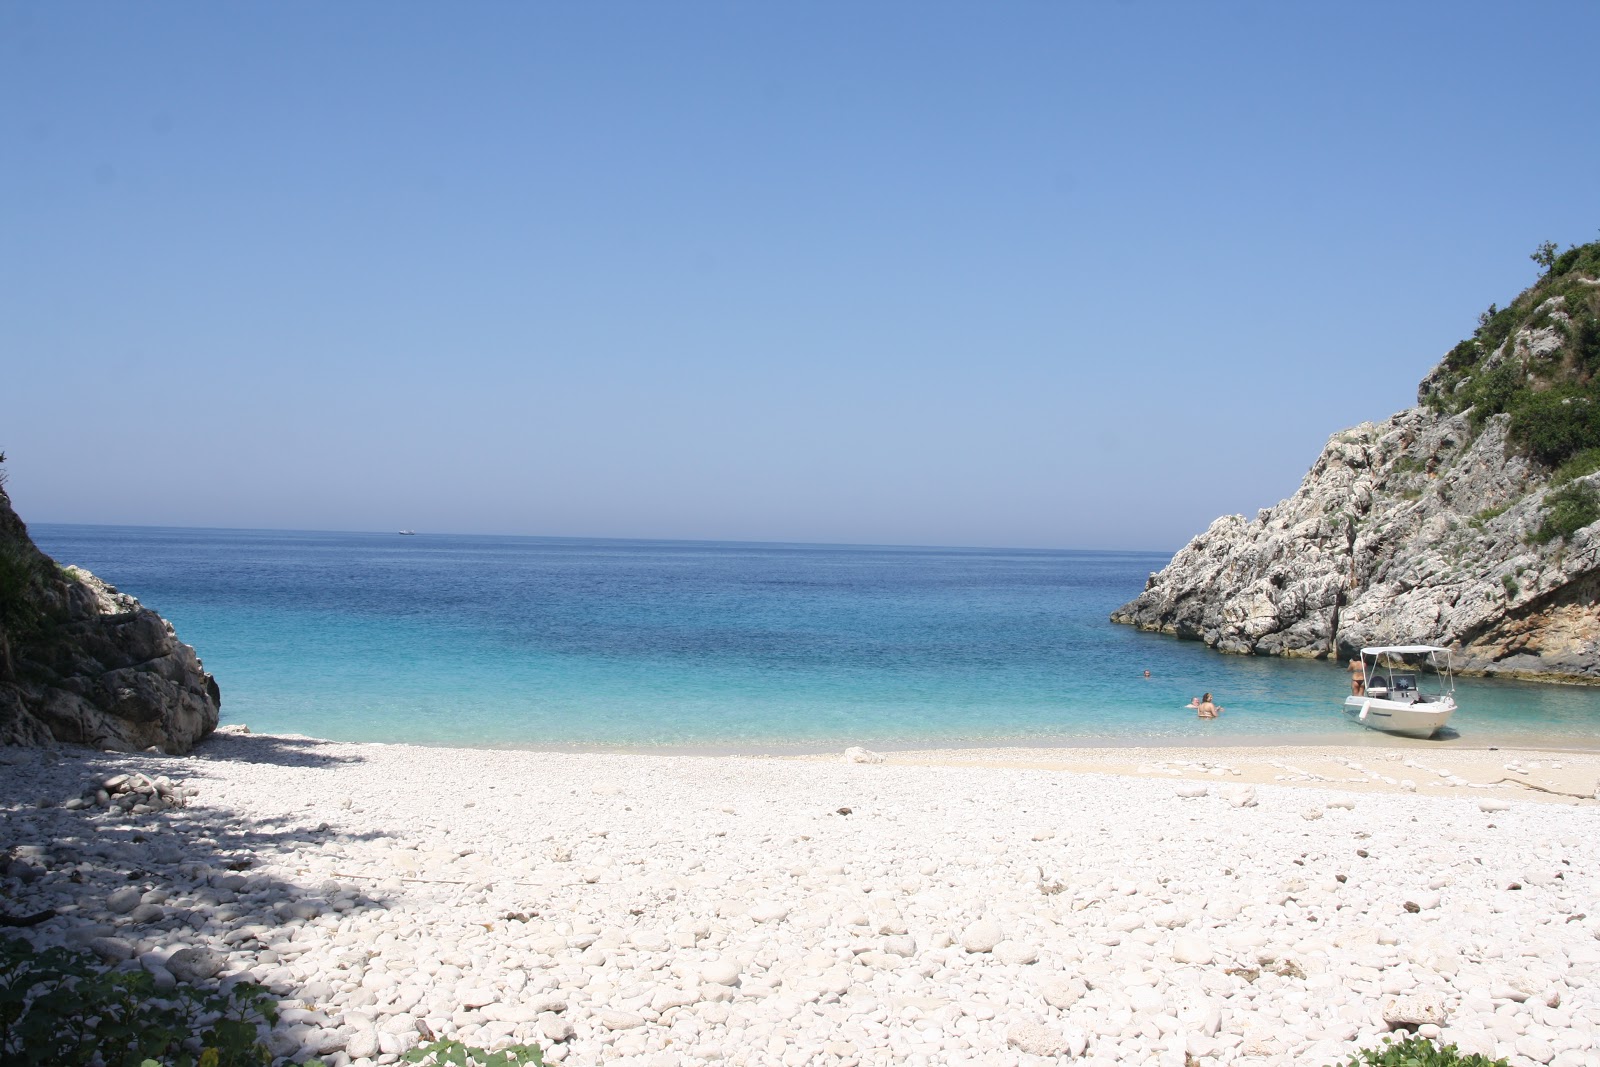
[1468, 521]
[83, 663]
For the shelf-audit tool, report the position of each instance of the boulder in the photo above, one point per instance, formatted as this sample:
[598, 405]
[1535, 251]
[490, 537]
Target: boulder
[86, 664]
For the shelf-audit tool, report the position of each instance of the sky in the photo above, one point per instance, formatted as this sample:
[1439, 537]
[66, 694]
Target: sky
[1077, 275]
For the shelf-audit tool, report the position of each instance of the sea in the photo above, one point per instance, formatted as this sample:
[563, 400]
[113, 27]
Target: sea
[545, 642]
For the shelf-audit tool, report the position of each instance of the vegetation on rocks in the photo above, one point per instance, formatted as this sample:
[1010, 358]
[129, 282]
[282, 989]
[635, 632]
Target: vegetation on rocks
[1537, 359]
[1419, 1052]
[1569, 509]
[63, 1009]
[83, 663]
[1468, 520]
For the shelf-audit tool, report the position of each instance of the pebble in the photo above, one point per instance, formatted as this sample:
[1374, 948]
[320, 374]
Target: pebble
[710, 911]
[982, 936]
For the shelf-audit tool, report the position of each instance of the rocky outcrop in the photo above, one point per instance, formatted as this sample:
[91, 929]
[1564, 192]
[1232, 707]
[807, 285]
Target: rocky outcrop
[1432, 526]
[81, 662]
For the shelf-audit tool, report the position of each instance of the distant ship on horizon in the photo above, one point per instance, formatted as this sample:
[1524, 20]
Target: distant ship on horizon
[408, 533]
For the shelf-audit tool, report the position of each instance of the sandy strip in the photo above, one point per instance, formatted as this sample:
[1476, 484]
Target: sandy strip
[1553, 776]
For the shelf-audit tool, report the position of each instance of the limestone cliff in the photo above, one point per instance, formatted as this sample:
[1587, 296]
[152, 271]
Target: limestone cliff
[83, 663]
[1468, 521]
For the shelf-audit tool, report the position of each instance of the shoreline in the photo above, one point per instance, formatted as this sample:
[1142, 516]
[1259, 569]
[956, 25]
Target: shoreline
[1546, 774]
[1362, 740]
[940, 906]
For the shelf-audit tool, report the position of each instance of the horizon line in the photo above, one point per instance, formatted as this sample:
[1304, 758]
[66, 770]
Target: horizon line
[589, 537]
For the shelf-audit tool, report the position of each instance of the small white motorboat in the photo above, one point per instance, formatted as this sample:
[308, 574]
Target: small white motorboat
[1394, 701]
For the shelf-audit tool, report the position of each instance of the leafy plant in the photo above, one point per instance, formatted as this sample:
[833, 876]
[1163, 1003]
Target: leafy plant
[1512, 588]
[62, 1009]
[1418, 1052]
[455, 1054]
[1567, 510]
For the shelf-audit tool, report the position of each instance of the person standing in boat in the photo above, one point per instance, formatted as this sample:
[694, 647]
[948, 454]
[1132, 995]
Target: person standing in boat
[1358, 678]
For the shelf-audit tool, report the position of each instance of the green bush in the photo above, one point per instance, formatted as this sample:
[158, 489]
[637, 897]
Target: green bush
[1418, 1052]
[63, 1009]
[1493, 391]
[1584, 462]
[1556, 424]
[455, 1054]
[1567, 510]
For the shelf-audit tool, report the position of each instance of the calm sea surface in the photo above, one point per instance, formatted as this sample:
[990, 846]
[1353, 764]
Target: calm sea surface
[473, 640]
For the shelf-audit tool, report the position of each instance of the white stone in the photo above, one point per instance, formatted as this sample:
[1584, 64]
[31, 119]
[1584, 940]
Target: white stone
[1015, 953]
[1398, 1011]
[720, 972]
[1037, 1039]
[982, 936]
[769, 912]
[1063, 992]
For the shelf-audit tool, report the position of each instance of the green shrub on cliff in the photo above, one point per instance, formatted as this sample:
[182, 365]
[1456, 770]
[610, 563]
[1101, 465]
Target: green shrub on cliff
[1567, 510]
[1553, 395]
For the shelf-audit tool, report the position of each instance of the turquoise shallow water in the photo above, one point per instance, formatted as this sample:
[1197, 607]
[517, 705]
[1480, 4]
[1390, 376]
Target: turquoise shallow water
[476, 640]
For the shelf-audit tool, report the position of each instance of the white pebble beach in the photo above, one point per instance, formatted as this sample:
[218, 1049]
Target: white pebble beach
[997, 906]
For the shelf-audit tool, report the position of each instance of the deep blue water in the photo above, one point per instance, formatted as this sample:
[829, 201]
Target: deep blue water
[480, 640]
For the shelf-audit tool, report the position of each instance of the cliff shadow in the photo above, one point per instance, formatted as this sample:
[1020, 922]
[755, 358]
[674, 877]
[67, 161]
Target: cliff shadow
[281, 750]
[188, 889]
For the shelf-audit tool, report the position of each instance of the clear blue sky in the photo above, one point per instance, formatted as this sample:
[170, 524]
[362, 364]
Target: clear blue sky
[1060, 274]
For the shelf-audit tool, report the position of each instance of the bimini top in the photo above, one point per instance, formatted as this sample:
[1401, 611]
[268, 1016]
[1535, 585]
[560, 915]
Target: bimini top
[1404, 650]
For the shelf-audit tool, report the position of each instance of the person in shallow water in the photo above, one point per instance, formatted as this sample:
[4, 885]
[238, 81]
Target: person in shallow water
[1206, 709]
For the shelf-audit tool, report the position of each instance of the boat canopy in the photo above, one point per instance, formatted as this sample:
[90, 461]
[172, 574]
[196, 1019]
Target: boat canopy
[1404, 650]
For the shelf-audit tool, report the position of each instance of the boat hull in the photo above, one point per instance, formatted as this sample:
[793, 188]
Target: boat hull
[1400, 717]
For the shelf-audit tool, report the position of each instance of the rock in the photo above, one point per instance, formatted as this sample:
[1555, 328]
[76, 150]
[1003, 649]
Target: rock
[1311, 814]
[619, 1020]
[1062, 993]
[123, 900]
[665, 999]
[111, 949]
[769, 912]
[1188, 949]
[476, 996]
[554, 1028]
[1412, 1011]
[1534, 1048]
[903, 945]
[857, 754]
[195, 964]
[363, 1044]
[1493, 805]
[982, 936]
[1242, 796]
[1037, 1039]
[1414, 525]
[720, 972]
[1014, 953]
[1191, 790]
[108, 673]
